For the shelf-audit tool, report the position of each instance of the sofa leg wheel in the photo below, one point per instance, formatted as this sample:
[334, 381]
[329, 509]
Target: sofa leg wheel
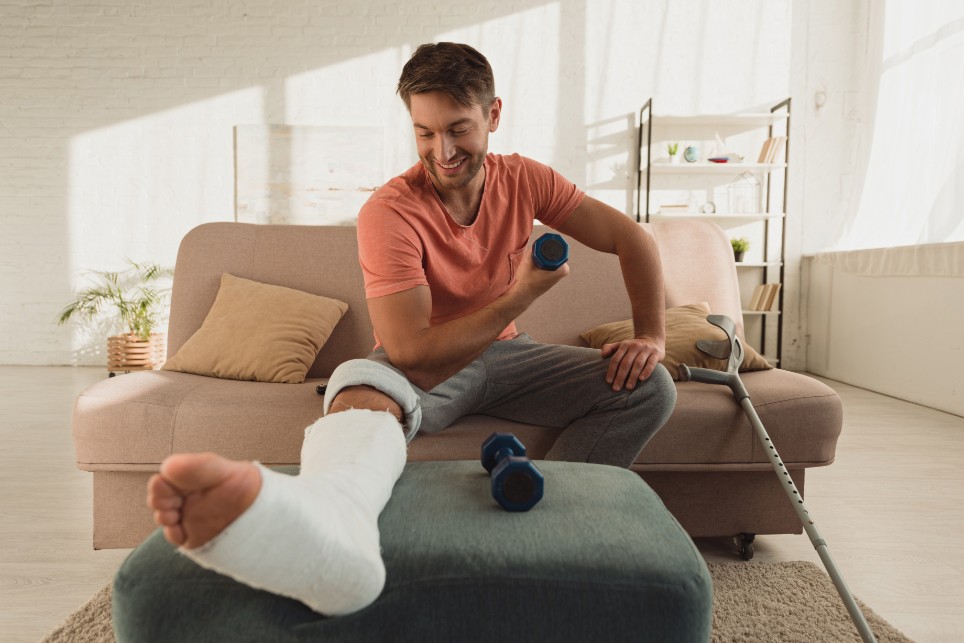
[744, 543]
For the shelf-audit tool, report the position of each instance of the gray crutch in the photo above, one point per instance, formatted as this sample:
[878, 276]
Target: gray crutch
[731, 349]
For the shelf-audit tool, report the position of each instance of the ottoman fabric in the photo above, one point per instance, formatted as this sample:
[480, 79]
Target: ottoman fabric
[598, 559]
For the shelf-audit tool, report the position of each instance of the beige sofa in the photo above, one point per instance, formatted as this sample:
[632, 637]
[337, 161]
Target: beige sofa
[705, 463]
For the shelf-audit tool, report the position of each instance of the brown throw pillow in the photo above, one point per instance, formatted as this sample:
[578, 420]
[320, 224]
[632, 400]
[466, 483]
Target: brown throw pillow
[685, 325]
[259, 332]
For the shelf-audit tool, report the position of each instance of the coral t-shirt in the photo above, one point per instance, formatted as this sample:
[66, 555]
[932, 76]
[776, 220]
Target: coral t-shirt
[407, 239]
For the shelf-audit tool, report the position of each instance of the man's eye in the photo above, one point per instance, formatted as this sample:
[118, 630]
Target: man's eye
[425, 135]
[460, 132]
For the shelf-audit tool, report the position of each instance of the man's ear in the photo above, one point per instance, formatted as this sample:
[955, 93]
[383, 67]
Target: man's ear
[495, 113]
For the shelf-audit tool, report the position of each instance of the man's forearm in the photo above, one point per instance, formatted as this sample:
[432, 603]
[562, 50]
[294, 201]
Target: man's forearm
[437, 353]
[429, 354]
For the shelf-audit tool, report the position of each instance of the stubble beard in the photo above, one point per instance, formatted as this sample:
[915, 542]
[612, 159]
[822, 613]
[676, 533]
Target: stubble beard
[474, 164]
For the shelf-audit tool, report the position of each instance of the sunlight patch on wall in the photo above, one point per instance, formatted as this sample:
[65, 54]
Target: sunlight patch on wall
[138, 186]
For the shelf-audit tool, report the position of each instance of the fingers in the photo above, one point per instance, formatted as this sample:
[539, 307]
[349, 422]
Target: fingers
[537, 281]
[631, 362]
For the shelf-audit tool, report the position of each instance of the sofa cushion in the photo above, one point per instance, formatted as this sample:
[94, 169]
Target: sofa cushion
[685, 325]
[802, 415]
[141, 418]
[259, 332]
[707, 430]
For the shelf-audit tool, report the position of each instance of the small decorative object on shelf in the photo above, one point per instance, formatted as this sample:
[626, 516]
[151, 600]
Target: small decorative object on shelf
[132, 298]
[708, 208]
[691, 154]
[744, 194]
[673, 150]
[740, 246]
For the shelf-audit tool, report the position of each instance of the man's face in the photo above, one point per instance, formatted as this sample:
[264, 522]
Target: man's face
[452, 139]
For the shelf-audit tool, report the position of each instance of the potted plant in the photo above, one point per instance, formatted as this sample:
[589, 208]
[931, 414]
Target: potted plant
[740, 246]
[672, 149]
[132, 297]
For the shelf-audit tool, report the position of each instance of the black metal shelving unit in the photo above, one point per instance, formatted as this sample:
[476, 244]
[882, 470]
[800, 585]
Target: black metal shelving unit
[643, 202]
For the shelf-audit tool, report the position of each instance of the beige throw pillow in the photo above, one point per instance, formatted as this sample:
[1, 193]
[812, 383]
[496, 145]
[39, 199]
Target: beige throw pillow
[259, 332]
[685, 325]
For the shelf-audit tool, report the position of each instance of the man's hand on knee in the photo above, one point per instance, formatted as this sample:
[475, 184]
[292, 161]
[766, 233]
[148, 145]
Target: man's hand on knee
[365, 397]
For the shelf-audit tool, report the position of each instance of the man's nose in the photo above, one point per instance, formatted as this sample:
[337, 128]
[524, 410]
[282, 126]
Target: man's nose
[446, 148]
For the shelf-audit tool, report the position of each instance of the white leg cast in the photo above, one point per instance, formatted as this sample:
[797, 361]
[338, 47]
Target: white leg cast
[315, 537]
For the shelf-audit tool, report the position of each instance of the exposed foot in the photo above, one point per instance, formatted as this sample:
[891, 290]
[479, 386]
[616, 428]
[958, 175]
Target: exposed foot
[197, 495]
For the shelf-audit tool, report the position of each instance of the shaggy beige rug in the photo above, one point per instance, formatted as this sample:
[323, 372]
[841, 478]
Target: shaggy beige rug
[751, 602]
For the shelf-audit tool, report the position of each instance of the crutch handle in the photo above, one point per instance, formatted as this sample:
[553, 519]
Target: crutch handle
[704, 375]
[709, 376]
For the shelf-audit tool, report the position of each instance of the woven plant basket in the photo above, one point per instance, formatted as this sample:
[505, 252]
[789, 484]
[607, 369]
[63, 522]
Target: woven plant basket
[127, 353]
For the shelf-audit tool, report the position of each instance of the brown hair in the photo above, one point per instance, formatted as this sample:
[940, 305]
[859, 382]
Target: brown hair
[458, 70]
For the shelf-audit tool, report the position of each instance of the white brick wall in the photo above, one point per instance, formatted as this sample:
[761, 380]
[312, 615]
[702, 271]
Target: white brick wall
[116, 118]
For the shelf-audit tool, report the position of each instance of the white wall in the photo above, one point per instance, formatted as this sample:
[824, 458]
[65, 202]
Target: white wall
[116, 118]
[890, 319]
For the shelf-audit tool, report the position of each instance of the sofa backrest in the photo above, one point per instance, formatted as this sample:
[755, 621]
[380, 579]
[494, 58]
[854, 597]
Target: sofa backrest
[696, 256]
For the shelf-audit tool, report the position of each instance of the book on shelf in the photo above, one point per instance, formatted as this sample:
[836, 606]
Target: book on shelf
[772, 148]
[764, 297]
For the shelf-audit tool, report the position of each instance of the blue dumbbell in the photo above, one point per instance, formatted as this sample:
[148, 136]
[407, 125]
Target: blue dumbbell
[550, 251]
[517, 484]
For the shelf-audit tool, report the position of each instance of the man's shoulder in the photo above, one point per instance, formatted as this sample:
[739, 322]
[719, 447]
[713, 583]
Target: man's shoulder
[409, 184]
[512, 162]
[517, 166]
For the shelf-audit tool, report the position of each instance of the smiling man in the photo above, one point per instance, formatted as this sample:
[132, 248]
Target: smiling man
[443, 249]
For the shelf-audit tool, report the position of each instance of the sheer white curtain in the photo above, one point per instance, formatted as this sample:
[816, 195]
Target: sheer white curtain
[913, 147]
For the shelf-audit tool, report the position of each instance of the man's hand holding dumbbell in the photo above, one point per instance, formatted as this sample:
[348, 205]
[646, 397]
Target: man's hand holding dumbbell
[535, 280]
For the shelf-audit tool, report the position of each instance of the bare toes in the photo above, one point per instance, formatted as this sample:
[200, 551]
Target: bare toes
[167, 518]
[175, 535]
[161, 492]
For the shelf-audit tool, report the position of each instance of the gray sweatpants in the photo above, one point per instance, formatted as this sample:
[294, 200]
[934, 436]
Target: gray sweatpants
[553, 385]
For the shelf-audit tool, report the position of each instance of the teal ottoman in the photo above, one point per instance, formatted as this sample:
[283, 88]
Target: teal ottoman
[598, 559]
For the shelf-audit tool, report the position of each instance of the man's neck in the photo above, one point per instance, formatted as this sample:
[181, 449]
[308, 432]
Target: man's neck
[463, 203]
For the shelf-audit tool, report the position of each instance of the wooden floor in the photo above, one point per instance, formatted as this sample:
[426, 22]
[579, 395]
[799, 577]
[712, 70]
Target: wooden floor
[891, 509]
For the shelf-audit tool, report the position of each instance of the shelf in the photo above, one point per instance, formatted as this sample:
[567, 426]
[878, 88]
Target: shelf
[758, 264]
[695, 184]
[705, 167]
[760, 312]
[746, 119]
[747, 217]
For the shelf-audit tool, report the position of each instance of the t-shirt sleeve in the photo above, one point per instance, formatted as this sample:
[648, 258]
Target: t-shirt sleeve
[389, 251]
[554, 197]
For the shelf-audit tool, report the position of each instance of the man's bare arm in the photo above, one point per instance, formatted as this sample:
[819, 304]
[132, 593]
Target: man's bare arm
[428, 355]
[604, 228]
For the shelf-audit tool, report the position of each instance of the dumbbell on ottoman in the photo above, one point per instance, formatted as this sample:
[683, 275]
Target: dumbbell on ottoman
[517, 484]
